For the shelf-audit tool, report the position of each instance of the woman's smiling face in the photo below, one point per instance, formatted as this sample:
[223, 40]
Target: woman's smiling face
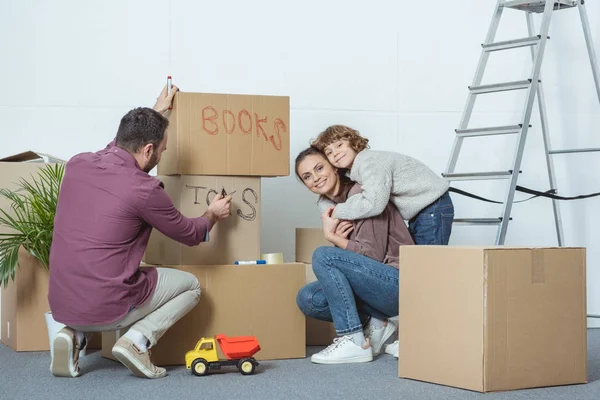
[319, 175]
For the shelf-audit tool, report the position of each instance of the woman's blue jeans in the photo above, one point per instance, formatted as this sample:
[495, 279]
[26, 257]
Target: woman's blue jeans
[349, 289]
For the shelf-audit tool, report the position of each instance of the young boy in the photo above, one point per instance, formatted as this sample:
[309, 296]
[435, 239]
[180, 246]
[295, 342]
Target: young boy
[420, 195]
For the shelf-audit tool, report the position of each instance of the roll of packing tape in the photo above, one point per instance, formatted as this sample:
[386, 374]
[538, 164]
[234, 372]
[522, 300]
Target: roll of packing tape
[272, 258]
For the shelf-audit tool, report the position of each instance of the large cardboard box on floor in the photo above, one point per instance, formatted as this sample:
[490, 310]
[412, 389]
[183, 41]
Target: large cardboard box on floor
[318, 333]
[227, 134]
[233, 239]
[247, 300]
[492, 319]
[307, 241]
[25, 300]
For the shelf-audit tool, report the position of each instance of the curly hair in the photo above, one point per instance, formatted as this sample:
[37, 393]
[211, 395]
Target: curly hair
[340, 132]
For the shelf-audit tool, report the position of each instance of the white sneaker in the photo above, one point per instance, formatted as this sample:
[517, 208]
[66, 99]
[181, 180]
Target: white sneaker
[392, 349]
[379, 337]
[343, 351]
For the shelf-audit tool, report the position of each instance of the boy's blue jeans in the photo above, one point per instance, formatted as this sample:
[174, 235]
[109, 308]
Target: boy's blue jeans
[350, 288]
[433, 225]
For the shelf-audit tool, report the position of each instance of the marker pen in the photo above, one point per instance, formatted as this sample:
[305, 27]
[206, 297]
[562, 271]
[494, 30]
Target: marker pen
[169, 87]
[250, 262]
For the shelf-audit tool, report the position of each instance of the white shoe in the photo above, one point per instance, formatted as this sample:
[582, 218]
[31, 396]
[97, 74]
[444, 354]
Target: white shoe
[392, 349]
[379, 337]
[343, 351]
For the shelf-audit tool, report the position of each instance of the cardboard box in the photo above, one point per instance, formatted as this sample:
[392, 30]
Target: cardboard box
[248, 300]
[318, 333]
[307, 241]
[233, 239]
[493, 318]
[25, 300]
[226, 134]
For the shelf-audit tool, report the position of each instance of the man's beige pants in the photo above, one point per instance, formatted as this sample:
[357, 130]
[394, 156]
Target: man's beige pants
[176, 293]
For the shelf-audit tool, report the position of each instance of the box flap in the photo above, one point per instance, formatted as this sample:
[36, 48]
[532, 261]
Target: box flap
[31, 156]
[441, 290]
[535, 331]
[500, 248]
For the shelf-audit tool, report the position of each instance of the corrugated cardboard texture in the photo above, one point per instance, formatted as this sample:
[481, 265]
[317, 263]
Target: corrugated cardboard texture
[441, 315]
[24, 303]
[536, 332]
[307, 241]
[25, 297]
[226, 134]
[25, 300]
[489, 319]
[258, 300]
[233, 239]
[318, 333]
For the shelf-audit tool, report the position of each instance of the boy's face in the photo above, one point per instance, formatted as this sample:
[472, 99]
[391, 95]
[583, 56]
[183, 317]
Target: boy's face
[340, 154]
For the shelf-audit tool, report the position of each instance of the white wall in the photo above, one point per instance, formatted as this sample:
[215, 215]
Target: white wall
[397, 71]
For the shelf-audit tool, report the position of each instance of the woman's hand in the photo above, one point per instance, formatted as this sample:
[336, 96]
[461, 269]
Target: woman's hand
[344, 228]
[330, 224]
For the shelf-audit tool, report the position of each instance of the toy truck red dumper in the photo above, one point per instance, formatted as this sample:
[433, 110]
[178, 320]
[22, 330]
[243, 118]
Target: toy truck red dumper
[239, 351]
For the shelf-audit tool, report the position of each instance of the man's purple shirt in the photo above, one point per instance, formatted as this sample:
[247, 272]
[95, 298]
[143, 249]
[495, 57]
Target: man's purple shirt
[106, 211]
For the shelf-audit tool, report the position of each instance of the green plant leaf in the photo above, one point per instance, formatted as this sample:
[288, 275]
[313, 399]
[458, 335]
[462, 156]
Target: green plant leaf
[30, 218]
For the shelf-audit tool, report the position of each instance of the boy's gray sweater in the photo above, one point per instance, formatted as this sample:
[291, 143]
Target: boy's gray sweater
[389, 176]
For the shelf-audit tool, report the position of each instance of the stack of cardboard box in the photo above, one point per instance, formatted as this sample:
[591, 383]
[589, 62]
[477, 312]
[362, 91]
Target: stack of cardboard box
[219, 143]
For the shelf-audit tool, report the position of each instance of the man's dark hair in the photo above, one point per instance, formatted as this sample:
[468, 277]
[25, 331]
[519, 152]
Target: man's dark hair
[139, 127]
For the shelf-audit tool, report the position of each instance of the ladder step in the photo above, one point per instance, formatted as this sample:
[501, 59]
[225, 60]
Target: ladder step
[477, 221]
[537, 6]
[588, 150]
[500, 87]
[512, 44]
[494, 130]
[473, 176]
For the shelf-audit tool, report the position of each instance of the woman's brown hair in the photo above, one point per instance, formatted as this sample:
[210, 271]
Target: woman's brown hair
[344, 180]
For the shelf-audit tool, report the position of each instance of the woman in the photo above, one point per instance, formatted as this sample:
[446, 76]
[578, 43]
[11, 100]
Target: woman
[358, 277]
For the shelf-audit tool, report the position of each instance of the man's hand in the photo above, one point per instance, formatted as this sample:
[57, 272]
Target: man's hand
[344, 228]
[164, 100]
[220, 207]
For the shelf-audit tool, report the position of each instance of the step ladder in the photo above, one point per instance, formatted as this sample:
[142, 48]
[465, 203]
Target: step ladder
[533, 86]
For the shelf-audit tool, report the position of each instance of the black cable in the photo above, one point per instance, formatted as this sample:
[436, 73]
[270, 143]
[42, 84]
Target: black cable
[549, 194]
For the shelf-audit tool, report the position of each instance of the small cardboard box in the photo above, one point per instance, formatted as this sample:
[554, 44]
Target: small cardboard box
[227, 134]
[235, 238]
[307, 241]
[247, 300]
[493, 318]
[318, 333]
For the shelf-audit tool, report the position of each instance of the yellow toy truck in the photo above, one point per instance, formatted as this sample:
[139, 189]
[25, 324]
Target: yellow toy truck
[239, 351]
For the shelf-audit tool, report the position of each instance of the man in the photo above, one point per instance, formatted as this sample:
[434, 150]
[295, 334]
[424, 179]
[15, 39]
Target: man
[107, 207]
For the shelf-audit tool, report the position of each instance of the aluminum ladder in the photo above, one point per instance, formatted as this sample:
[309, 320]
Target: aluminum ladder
[537, 44]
